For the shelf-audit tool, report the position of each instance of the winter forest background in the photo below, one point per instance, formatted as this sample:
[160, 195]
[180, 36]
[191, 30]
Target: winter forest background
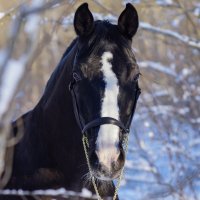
[164, 150]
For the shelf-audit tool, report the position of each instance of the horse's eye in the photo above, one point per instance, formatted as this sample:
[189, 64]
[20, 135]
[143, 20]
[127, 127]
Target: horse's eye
[137, 77]
[76, 76]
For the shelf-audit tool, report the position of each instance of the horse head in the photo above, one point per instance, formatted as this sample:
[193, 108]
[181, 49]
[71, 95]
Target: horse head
[105, 87]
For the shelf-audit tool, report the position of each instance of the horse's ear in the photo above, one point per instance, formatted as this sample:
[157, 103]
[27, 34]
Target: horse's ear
[128, 21]
[83, 20]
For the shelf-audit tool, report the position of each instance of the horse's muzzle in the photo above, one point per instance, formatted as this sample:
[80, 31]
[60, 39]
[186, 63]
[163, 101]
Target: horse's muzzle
[107, 165]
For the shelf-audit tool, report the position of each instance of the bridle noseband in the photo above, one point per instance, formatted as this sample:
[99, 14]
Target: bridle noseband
[101, 120]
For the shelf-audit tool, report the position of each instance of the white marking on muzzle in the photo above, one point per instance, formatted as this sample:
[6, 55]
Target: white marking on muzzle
[108, 136]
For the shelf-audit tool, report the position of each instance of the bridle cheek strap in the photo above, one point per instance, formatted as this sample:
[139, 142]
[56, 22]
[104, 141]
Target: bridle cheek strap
[75, 105]
[137, 94]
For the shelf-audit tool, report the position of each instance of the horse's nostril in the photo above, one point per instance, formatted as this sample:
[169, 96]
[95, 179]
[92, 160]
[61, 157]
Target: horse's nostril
[103, 170]
[121, 155]
[119, 163]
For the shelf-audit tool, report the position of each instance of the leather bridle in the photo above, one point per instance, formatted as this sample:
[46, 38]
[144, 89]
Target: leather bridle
[101, 120]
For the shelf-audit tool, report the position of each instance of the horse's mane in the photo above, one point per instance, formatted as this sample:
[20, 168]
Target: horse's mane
[56, 73]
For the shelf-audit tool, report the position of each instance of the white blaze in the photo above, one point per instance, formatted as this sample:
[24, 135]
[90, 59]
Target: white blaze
[108, 135]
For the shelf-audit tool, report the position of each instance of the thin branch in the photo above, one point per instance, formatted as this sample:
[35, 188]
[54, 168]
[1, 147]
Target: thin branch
[184, 10]
[50, 192]
[180, 183]
[158, 67]
[24, 11]
[39, 8]
[166, 32]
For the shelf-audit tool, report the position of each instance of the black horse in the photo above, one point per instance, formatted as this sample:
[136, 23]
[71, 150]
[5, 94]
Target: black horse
[93, 91]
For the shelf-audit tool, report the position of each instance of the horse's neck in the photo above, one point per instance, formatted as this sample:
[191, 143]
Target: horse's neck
[51, 131]
[60, 128]
[52, 138]
[58, 113]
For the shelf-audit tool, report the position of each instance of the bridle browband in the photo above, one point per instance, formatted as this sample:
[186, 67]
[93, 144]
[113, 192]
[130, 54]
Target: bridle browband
[101, 120]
